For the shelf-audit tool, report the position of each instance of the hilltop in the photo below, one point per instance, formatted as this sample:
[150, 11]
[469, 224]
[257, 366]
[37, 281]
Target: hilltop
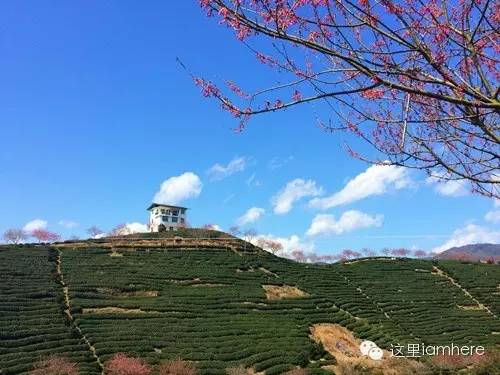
[474, 252]
[215, 300]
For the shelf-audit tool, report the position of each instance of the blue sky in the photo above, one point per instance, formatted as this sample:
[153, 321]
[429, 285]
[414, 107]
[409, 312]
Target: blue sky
[95, 114]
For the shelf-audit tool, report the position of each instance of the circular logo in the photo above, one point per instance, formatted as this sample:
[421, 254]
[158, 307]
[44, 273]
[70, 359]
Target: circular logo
[376, 354]
[370, 349]
[366, 346]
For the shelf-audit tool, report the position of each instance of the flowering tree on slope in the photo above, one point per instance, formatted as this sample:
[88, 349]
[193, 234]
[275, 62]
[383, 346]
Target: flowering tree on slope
[43, 235]
[15, 235]
[417, 80]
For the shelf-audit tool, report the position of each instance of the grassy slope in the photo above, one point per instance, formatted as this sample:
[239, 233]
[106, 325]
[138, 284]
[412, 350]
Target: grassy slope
[231, 322]
[31, 321]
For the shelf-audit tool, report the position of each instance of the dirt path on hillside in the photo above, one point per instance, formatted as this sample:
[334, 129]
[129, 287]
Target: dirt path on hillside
[481, 306]
[69, 316]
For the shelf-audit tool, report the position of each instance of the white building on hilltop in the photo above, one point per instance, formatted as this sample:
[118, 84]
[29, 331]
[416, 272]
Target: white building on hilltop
[164, 217]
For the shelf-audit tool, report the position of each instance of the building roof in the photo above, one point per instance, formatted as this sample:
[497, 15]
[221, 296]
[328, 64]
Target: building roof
[153, 205]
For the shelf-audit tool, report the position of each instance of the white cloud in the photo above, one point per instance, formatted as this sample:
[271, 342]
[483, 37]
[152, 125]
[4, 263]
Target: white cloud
[252, 181]
[178, 188]
[131, 228]
[218, 172]
[276, 162]
[35, 224]
[470, 234]
[212, 227]
[450, 188]
[292, 192]
[376, 180]
[493, 216]
[349, 221]
[251, 216]
[69, 224]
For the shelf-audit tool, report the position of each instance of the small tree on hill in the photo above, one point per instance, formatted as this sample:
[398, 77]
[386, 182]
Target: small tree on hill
[120, 364]
[235, 230]
[55, 366]
[94, 231]
[15, 236]
[401, 252]
[43, 235]
[119, 230]
[349, 254]
[270, 245]
[420, 253]
[299, 255]
[249, 235]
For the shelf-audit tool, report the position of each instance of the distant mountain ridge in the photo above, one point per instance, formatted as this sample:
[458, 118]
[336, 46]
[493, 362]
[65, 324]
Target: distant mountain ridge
[480, 251]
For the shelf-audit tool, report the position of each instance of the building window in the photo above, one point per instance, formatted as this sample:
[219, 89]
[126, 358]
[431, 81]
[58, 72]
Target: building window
[182, 220]
[163, 211]
[183, 211]
[174, 220]
[175, 212]
[164, 218]
[171, 228]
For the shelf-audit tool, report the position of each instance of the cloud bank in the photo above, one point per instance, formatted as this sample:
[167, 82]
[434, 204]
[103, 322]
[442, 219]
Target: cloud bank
[251, 216]
[348, 222]
[219, 172]
[179, 188]
[376, 180]
[34, 225]
[292, 192]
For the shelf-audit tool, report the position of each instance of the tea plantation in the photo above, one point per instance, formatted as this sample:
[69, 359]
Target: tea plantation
[209, 306]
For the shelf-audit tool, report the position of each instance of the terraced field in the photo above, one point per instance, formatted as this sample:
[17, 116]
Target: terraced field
[209, 306]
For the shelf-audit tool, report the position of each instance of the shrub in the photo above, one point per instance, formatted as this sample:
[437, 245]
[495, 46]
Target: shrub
[177, 367]
[120, 364]
[55, 366]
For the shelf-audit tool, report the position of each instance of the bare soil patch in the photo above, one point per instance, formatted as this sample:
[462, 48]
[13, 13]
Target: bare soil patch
[184, 281]
[133, 293]
[341, 343]
[113, 310]
[115, 254]
[276, 292]
[469, 307]
[206, 285]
